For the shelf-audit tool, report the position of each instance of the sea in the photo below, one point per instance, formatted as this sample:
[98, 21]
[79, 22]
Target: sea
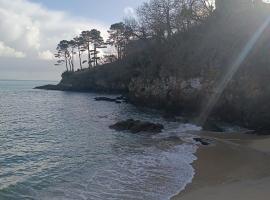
[57, 145]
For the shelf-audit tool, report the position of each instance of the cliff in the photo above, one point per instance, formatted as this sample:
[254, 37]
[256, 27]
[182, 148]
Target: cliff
[182, 74]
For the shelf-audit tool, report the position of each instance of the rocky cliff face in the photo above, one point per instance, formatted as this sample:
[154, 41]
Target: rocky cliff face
[113, 77]
[167, 92]
[244, 102]
[182, 76]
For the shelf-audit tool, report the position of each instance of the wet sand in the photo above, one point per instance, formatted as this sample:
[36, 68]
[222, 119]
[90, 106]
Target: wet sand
[235, 167]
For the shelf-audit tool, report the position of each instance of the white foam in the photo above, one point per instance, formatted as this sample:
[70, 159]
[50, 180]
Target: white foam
[154, 175]
[184, 128]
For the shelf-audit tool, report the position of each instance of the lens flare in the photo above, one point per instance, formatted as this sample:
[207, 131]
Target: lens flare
[230, 73]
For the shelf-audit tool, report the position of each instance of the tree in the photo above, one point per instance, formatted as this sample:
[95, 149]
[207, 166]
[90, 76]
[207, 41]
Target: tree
[87, 39]
[62, 53]
[162, 18]
[98, 43]
[134, 30]
[108, 59]
[79, 43]
[153, 17]
[72, 45]
[119, 37]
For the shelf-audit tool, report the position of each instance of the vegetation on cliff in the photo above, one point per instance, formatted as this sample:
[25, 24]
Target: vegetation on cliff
[181, 55]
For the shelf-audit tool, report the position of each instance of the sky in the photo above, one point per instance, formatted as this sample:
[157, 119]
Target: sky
[31, 29]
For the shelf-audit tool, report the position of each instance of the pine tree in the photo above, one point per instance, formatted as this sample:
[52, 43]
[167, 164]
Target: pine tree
[72, 46]
[79, 43]
[98, 43]
[119, 37]
[87, 39]
[62, 53]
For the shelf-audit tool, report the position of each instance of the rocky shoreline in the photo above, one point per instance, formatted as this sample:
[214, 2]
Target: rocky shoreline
[185, 99]
[194, 74]
[216, 70]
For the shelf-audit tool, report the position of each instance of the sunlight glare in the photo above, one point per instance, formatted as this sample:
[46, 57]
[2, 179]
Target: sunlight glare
[230, 73]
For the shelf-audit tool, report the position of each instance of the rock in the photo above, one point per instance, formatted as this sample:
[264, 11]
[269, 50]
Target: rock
[137, 126]
[60, 87]
[105, 99]
[48, 87]
[122, 99]
[117, 100]
[203, 141]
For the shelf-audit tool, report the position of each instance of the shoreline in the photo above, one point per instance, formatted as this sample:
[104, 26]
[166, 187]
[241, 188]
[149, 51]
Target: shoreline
[171, 111]
[236, 166]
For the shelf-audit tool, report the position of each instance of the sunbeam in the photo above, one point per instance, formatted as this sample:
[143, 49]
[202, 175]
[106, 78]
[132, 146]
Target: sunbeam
[230, 73]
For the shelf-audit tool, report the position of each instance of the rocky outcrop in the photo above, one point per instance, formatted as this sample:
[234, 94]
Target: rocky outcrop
[120, 99]
[170, 93]
[137, 126]
[183, 75]
[244, 102]
[61, 87]
[107, 99]
[109, 78]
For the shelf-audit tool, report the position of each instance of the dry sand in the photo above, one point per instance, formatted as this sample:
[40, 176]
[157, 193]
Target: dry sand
[236, 167]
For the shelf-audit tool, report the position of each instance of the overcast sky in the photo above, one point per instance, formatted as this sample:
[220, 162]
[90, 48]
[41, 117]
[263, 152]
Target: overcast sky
[31, 29]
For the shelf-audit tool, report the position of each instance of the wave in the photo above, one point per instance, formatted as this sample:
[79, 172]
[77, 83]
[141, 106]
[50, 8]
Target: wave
[154, 175]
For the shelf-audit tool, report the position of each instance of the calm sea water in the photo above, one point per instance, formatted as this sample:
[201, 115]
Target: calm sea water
[57, 145]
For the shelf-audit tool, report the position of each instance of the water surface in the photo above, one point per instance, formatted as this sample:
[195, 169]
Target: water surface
[57, 145]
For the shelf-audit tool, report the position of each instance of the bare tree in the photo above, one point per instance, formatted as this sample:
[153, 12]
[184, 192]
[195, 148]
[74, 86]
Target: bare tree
[134, 29]
[162, 18]
[151, 17]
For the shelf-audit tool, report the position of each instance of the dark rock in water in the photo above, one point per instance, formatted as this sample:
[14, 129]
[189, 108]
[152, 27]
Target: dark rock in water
[60, 87]
[122, 99]
[105, 99]
[48, 87]
[118, 100]
[203, 141]
[123, 125]
[137, 126]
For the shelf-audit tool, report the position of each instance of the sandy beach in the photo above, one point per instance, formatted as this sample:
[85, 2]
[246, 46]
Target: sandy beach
[234, 167]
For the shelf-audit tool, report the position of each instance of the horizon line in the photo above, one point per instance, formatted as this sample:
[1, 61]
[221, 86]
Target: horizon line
[27, 80]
